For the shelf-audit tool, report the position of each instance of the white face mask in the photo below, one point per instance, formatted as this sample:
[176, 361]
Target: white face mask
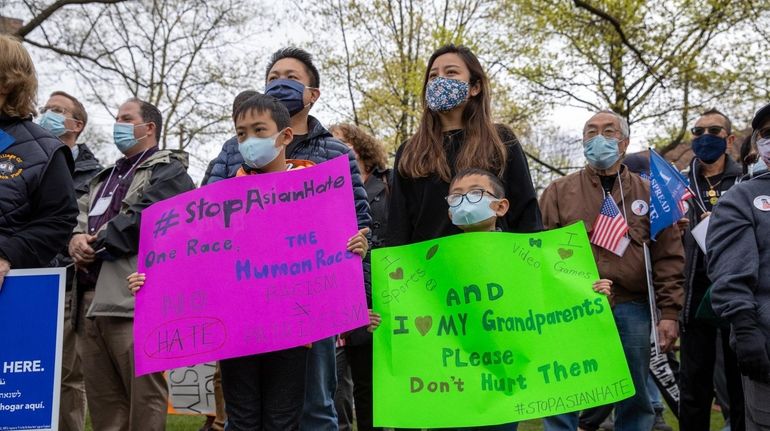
[258, 152]
[468, 213]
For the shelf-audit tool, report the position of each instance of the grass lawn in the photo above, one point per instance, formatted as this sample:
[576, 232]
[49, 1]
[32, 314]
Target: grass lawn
[193, 423]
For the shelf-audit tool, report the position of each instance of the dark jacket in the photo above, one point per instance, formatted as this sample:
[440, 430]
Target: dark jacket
[86, 167]
[418, 209]
[738, 250]
[318, 146]
[378, 195]
[37, 199]
[225, 165]
[694, 292]
[161, 176]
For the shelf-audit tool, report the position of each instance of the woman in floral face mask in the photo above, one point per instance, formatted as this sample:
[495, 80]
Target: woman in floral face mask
[456, 132]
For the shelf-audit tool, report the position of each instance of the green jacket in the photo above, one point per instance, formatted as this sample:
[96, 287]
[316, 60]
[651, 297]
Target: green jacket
[161, 176]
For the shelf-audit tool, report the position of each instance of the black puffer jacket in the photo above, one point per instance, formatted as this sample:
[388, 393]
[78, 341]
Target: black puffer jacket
[86, 167]
[378, 193]
[318, 146]
[37, 197]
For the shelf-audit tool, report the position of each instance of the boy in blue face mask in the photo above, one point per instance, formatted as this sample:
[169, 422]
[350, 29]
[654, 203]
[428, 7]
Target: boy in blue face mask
[266, 391]
[476, 199]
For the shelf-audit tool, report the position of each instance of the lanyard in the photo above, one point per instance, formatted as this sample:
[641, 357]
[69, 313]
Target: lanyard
[101, 195]
[622, 196]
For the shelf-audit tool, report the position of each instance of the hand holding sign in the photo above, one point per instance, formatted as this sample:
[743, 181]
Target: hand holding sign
[493, 336]
[5, 267]
[249, 265]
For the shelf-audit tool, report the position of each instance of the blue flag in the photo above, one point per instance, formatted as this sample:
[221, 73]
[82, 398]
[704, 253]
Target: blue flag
[667, 190]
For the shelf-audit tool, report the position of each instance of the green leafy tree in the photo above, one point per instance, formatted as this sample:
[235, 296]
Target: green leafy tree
[656, 62]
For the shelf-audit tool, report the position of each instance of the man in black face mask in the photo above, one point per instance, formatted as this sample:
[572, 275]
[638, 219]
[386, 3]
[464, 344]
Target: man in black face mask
[712, 172]
[292, 78]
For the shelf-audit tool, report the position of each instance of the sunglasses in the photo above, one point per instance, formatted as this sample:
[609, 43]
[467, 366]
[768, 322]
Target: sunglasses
[712, 130]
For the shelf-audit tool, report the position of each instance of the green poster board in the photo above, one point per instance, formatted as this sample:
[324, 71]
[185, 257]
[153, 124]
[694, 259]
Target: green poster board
[490, 328]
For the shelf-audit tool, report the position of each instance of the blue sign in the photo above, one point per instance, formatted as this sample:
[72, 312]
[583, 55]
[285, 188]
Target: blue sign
[31, 317]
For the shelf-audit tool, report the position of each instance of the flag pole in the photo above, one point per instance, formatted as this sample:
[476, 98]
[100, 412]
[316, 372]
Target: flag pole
[651, 298]
[697, 201]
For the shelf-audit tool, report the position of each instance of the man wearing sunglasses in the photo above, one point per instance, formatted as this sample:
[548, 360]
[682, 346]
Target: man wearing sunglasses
[712, 172]
[738, 256]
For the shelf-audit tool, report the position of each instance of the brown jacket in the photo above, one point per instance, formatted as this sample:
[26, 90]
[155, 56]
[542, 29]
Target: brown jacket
[579, 196]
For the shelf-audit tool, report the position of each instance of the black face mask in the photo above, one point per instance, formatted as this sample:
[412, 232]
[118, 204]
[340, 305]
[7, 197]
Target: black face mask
[289, 92]
[709, 148]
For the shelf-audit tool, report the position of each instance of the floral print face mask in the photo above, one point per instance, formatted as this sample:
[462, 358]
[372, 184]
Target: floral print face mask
[444, 94]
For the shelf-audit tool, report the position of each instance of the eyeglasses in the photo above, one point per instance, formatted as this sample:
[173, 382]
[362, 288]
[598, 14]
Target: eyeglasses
[473, 196]
[60, 111]
[609, 132]
[55, 109]
[712, 130]
[764, 132]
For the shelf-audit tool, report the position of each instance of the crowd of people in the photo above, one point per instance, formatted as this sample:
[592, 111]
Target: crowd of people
[460, 172]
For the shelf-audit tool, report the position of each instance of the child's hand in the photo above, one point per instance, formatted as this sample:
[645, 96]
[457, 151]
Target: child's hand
[358, 243]
[374, 321]
[603, 286]
[135, 282]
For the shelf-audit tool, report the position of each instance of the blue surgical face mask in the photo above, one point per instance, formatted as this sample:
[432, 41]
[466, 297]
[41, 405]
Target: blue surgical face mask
[258, 152]
[444, 94]
[467, 213]
[709, 148]
[289, 92]
[123, 134]
[53, 122]
[601, 152]
[759, 166]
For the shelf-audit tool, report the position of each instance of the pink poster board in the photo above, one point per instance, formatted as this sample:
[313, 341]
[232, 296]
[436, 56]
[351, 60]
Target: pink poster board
[248, 265]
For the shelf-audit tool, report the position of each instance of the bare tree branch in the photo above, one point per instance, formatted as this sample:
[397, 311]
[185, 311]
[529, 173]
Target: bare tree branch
[46, 13]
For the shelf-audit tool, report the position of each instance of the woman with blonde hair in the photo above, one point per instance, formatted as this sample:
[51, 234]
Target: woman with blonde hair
[37, 209]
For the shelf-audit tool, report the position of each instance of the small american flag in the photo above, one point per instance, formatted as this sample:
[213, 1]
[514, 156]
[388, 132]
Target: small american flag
[682, 204]
[610, 226]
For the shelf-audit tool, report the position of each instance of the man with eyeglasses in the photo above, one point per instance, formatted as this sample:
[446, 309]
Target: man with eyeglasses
[712, 172]
[104, 246]
[738, 255]
[65, 117]
[606, 187]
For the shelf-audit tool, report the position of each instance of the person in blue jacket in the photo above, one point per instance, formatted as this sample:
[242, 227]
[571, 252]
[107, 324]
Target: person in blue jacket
[293, 79]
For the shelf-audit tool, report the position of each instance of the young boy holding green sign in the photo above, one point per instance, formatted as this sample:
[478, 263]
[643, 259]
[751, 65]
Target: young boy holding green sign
[476, 200]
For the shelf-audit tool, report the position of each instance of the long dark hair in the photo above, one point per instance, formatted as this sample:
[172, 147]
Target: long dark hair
[424, 153]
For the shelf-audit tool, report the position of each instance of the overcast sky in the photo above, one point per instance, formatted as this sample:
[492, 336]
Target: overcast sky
[53, 75]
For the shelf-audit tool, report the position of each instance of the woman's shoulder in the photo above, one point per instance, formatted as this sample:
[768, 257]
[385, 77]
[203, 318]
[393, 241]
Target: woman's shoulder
[507, 135]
